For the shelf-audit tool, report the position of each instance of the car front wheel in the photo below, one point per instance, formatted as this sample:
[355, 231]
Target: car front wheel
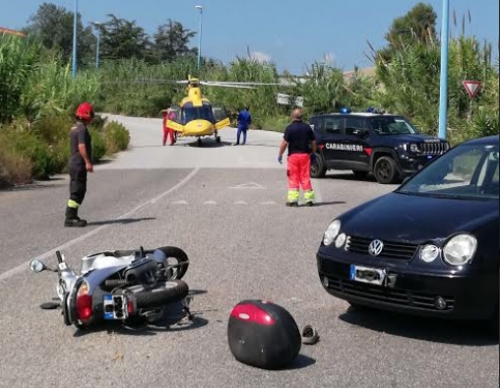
[318, 167]
[386, 170]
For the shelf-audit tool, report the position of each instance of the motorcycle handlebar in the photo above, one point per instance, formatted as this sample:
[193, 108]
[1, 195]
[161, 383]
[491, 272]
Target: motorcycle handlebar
[59, 257]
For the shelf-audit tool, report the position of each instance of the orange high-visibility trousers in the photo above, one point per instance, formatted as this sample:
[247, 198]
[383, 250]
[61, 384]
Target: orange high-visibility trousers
[299, 176]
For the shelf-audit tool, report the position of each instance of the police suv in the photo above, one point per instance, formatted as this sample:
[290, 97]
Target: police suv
[388, 146]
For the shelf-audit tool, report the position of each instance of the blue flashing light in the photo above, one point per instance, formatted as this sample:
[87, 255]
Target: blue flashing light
[345, 110]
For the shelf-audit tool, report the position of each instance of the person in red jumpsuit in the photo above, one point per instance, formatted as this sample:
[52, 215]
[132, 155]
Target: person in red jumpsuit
[168, 114]
[300, 140]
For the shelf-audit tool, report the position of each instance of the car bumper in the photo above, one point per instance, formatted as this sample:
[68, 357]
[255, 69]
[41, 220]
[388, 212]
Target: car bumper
[410, 165]
[410, 291]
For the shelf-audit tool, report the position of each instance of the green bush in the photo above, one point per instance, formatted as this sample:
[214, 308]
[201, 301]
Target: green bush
[117, 137]
[26, 143]
[276, 123]
[98, 145]
[15, 168]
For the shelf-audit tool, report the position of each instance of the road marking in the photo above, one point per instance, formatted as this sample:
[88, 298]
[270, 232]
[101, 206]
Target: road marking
[180, 203]
[251, 185]
[25, 266]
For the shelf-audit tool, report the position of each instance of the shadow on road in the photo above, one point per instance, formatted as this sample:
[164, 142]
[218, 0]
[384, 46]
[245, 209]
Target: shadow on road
[207, 143]
[319, 204]
[302, 361]
[123, 221]
[328, 203]
[425, 329]
[346, 176]
[34, 186]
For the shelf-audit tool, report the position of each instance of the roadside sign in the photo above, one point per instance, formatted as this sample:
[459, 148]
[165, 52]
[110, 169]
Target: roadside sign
[283, 99]
[472, 87]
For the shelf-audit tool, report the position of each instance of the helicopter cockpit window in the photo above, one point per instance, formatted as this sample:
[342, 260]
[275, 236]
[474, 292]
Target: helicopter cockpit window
[197, 113]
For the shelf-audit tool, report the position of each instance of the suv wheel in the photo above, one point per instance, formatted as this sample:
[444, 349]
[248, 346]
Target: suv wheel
[386, 170]
[318, 168]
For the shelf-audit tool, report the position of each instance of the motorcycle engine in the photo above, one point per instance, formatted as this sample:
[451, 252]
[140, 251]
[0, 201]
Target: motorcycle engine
[142, 271]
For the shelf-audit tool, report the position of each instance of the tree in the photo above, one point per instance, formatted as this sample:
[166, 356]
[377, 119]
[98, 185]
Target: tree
[53, 26]
[171, 40]
[123, 39]
[417, 26]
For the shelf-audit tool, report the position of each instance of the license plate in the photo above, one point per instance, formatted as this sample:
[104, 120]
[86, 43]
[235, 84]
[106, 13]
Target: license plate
[115, 307]
[368, 275]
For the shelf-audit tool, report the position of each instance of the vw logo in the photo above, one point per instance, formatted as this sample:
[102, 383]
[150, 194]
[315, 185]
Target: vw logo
[376, 247]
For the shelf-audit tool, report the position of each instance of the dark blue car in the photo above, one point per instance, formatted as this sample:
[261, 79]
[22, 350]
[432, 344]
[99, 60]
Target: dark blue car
[430, 248]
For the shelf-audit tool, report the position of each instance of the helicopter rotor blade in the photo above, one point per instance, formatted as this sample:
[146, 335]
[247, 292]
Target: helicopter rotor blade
[227, 85]
[152, 81]
[240, 83]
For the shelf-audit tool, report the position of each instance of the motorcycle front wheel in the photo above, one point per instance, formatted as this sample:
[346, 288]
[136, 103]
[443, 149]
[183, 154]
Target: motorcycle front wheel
[180, 257]
[164, 293]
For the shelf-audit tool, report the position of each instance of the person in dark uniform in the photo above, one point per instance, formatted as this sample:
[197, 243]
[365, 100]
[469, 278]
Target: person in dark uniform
[244, 121]
[80, 163]
[300, 140]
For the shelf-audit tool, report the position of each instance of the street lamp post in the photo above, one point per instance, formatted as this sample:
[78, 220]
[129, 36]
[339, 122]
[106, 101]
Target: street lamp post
[443, 103]
[75, 17]
[201, 32]
[97, 24]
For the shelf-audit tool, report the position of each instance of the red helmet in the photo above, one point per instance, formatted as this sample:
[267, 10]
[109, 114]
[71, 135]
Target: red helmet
[85, 111]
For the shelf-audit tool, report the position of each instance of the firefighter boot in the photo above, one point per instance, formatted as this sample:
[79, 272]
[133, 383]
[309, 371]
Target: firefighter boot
[72, 218]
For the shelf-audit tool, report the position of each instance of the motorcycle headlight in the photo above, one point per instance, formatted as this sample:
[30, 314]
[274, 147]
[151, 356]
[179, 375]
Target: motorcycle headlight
[460, 249]
[331, 232]
[429, 253]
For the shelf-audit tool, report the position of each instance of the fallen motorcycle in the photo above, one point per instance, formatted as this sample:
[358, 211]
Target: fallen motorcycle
[119, 285]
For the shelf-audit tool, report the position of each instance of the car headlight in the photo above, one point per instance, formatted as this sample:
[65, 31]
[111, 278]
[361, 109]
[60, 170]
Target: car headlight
[331, 232]
[414, 148]
[340, 241]
[429, 253]
[460, 249]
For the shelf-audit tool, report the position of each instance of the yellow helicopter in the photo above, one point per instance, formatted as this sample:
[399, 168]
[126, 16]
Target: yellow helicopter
[195, 116]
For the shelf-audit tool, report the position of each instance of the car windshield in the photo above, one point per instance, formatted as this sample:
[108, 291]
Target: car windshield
[393, 125]
[469, 171]
[197, 113]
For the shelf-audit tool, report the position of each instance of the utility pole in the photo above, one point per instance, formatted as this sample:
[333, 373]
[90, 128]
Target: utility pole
[96, 25]
[75, 17]
[200, 32]
[443, 103]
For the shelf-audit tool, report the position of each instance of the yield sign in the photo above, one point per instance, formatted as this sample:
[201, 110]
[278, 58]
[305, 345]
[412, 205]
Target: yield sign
[472, 87]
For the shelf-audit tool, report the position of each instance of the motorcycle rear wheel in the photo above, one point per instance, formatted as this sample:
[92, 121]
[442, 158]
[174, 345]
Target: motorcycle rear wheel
[164, 293]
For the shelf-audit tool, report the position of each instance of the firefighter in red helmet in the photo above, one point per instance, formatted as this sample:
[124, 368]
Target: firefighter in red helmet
[80, 163]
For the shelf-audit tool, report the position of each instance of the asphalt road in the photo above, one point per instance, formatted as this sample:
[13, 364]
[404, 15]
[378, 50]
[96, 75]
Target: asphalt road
[224, 206]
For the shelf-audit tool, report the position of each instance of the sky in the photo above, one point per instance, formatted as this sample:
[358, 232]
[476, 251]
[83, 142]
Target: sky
[291, 33]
